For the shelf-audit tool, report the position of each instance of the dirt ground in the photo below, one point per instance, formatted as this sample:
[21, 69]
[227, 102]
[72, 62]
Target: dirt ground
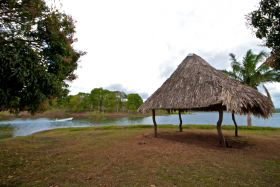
[133, 157]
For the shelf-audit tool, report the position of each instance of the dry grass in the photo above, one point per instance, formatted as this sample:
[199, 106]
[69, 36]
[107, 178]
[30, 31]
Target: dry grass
[133, 157]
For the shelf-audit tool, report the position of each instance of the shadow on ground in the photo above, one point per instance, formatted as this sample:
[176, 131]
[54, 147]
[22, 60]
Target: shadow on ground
[203, 139]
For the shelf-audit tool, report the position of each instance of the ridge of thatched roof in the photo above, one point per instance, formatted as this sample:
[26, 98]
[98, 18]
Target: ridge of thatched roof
[195, 85]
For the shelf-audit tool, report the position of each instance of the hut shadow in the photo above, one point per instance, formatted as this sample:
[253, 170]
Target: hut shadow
[204, 139]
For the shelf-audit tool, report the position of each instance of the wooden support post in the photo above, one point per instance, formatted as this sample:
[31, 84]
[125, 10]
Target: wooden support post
[249, 120]
[219, 128]
[235, 124]
[180, 125]
[155, 123]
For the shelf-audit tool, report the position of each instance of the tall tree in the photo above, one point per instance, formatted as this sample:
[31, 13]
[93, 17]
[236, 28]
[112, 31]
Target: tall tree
[86, 104]
[36, 54]
[266, 23]
[120, 98]
[134, 101]
[252, 72]
[99, 98]
[74, 104]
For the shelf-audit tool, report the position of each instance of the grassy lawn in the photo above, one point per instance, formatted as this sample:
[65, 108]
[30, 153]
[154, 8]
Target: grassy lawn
[131, 156]
[6, 132]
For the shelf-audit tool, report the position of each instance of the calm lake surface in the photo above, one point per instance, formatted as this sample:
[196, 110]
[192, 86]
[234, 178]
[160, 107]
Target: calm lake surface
[23, 127]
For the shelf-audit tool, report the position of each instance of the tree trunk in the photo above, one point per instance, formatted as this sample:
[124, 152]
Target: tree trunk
[249, 120]
[219, 129]
[180, 125]
[235, 124]
[155, 123]
[117, 105]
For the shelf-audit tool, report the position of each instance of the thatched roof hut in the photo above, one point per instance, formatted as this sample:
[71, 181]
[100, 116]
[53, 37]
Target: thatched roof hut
[195, 85]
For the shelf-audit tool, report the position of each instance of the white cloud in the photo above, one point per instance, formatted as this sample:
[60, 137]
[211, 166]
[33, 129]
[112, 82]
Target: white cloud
[137, 44]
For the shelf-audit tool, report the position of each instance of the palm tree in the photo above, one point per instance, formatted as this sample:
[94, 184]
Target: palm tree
[252, 72]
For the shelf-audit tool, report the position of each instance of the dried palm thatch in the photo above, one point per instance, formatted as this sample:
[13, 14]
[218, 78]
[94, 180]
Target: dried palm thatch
[195, 85]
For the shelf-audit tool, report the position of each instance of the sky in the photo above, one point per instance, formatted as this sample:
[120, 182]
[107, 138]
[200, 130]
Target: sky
[134, 46]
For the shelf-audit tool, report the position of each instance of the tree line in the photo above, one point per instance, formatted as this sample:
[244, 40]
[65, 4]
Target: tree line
[98, 100]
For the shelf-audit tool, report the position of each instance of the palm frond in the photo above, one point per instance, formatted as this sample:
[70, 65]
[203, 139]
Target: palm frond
[249, 63]
[267, 92]
[261, 56]
[233, 57]
[233, 75]
[237, 68]
[248, 72]
[263, 68]
[269, 76]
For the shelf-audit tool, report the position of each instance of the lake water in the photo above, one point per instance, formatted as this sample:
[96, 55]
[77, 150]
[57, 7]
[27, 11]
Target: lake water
[23, 127]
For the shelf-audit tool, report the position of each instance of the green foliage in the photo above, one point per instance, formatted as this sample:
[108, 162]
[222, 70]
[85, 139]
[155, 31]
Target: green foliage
[134, 101]
[106, 100]
[251, 72]
[36, 54]
[266, 21]
[99, 100]
[85, 104]
[74, 102]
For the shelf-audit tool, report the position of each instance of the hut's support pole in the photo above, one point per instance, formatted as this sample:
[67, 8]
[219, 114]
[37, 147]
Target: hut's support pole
[180, 125]
[249, 120]
[235, 124]
[219, 128]
[155, 123]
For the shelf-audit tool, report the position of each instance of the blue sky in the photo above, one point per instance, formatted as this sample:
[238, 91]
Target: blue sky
[135, 45]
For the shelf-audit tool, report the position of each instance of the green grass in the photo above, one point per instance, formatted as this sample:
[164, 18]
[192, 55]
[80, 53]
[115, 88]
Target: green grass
[131, 156]
[6, 131]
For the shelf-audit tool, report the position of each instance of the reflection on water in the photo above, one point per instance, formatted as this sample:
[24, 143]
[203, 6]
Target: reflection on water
[23, 127]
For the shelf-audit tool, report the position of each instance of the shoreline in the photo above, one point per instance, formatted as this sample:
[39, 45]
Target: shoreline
[53, 114]
[64, 114]
[6, 131]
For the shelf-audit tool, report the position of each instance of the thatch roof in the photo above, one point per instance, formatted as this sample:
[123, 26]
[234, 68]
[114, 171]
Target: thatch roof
[195, 85]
